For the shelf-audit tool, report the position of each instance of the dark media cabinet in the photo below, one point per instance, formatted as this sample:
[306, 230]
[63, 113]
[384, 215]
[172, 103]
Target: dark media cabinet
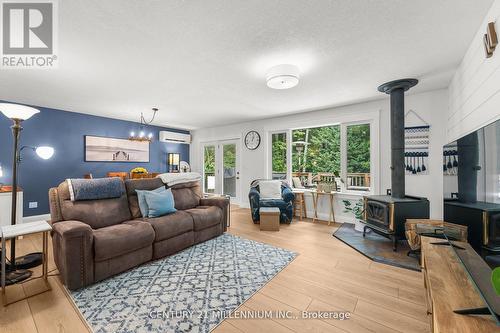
[482, 220]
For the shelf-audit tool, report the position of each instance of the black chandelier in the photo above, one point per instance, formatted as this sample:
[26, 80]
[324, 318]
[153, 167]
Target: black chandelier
[141, 134]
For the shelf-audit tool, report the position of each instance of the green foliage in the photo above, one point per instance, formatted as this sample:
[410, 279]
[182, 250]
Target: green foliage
[209, 159]
[229, 152]
[357, 210]
[358, 148]
[279, 152]
[495, 280]
[322, 154]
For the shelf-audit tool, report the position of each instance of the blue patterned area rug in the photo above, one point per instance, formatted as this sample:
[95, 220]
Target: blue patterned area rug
[191, 291]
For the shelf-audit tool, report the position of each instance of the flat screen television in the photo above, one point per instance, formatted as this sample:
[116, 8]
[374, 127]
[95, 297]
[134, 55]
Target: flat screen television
[471, 166]
[471, 186]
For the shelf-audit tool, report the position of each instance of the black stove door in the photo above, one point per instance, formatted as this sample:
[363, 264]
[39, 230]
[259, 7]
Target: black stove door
[377, 213]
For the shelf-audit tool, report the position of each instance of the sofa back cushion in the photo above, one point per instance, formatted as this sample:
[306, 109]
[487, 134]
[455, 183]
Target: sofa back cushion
[186, 195]
[96, 213]
[131, 185]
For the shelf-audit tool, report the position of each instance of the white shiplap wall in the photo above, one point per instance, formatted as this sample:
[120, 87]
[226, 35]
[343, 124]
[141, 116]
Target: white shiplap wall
[474, 91]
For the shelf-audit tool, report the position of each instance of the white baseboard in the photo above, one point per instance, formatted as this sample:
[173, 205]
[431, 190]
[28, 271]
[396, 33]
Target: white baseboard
[338, 218]
[44, 217]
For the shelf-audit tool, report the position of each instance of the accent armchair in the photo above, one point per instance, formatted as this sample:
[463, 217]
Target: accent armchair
[285, 204]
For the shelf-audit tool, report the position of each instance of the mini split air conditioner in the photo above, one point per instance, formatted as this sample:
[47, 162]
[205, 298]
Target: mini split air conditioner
[167, 136]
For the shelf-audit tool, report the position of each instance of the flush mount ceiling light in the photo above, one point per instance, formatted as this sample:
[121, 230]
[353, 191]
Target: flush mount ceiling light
[282, 76]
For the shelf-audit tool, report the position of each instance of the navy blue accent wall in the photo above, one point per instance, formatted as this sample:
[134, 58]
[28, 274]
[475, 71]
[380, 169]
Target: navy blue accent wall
[65, 132]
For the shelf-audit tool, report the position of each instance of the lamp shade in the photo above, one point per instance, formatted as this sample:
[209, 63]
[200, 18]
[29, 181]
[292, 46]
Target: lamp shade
[45, 152]
[17, 111]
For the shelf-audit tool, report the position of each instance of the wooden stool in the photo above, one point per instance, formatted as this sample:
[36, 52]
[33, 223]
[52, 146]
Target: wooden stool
[269, 218]
[301, 203]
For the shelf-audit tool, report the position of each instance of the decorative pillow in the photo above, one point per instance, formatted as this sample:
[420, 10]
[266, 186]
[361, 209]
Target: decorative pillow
[270, 189]
[143, 205]
[161, 203]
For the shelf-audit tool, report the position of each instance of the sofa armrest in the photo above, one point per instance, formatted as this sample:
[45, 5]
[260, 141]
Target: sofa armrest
[73, 252]
[222, 203]
[254, 195]
[287, 194]
[254, 198]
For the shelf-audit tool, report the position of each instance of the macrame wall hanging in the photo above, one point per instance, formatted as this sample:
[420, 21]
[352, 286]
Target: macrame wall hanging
[417, 147]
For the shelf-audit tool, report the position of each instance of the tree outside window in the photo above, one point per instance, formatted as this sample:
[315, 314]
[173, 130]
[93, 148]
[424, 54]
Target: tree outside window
[320, 151]
[358, 157]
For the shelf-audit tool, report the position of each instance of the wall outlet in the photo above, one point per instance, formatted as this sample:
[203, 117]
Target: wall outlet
[33, 204]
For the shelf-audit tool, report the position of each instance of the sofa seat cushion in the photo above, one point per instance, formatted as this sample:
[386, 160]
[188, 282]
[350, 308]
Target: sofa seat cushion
[205, 216]
[171, 225]
[119, 239]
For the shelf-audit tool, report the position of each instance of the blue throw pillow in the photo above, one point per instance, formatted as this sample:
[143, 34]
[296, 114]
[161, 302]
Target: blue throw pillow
[160, 204]
[143, 205]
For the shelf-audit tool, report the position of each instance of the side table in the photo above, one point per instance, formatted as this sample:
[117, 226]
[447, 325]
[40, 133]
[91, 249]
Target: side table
[12, 231]
[315, 197]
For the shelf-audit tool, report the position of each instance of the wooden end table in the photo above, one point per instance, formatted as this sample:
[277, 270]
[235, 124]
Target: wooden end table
[12, 231]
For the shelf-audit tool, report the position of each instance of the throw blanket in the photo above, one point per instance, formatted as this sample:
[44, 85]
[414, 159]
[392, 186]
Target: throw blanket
[93, 189]
[172, 179]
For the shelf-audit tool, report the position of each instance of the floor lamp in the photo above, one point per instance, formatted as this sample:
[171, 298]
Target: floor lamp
[17, 113]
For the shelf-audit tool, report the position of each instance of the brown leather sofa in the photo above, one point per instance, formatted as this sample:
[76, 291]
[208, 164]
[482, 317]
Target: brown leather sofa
[95, 239]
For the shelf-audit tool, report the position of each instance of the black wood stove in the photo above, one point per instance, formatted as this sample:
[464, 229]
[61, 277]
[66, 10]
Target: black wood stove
[387, 214]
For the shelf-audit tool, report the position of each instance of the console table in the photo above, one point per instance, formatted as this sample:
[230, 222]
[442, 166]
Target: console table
[331, 196]
[448, 288]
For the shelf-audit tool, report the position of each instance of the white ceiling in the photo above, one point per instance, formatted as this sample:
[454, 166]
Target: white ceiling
[203, 63]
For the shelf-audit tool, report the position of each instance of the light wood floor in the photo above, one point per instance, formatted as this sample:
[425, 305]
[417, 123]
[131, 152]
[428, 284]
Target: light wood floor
[327, 275]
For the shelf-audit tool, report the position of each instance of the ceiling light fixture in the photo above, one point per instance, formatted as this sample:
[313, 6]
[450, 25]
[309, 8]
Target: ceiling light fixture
[142, 135]
[283, 76]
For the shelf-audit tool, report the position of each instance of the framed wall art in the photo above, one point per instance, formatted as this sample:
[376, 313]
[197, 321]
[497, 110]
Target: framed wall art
[104, 149]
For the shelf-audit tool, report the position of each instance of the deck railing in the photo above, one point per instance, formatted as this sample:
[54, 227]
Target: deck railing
[354, 181]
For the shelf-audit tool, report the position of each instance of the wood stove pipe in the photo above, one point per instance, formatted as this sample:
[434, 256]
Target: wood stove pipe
[396, 89]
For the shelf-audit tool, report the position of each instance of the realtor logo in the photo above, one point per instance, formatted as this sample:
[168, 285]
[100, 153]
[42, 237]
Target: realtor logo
[28, 34]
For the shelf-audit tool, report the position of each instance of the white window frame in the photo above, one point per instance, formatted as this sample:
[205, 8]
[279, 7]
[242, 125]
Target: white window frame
[343, 156]
[371, 118]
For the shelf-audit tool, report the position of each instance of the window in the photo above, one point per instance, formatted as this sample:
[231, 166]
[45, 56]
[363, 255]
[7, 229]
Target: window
[334, 157]
[279, 160]
[316, 155]
[358, 157]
